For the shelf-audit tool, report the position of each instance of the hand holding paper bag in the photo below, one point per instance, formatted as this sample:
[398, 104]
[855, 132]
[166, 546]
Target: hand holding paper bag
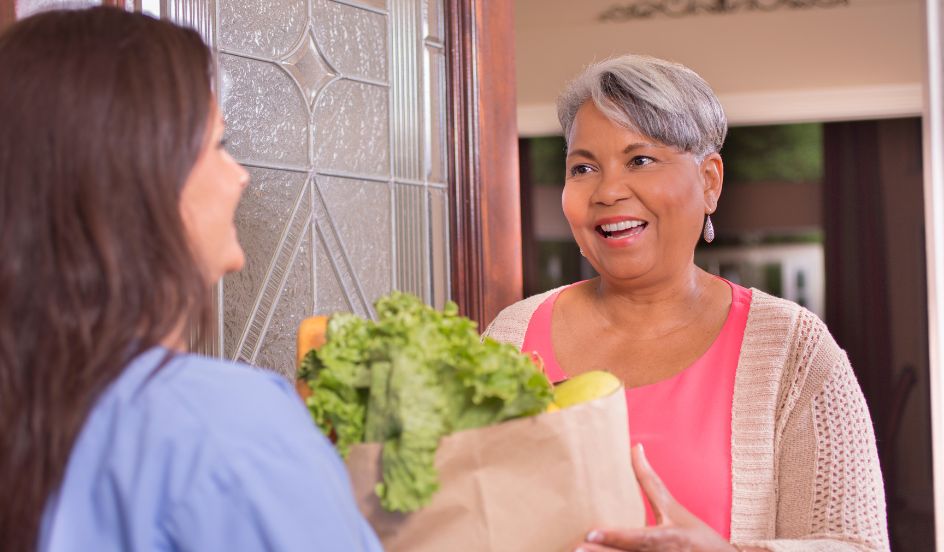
[676, 528]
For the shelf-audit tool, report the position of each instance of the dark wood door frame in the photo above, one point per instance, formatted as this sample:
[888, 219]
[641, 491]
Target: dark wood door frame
[483, 156]
[7, 13]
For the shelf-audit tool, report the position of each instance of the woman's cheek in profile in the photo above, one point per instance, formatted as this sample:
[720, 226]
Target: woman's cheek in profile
[208, 207]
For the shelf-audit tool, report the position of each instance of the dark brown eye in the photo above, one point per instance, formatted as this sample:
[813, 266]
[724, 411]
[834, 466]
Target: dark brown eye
[578, 170]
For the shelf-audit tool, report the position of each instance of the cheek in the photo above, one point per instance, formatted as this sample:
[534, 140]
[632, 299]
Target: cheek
[679, 199]
[574, 203]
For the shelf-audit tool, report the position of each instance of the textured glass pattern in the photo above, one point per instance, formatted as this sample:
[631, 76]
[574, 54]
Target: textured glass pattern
[351, 129]
[309, 68]
[26, 8]
[412, 236]
[439, 246]
[261, 221]
[380, 5]
[360, 212]
[434, 20]
[354, 40]
[337, 109]
[280, 260]
[265, 113]
[436, 129]
[264, 28]
[330, 296]
[295, 302]
[406, 93]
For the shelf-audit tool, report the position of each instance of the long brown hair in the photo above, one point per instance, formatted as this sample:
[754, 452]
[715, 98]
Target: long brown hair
[102, 116]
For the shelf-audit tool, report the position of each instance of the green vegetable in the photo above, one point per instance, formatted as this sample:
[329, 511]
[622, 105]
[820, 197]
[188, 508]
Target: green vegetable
[410, 378]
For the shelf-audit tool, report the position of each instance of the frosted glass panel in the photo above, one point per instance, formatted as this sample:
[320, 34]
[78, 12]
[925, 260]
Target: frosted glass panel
[295, 302]
[351, 131]
[337, 109]
[378, 4]
[434, 19]
[265, 112]
[261, 220]
[353, 40]
[360, 213]
[436, 100]
[266, 28]
[26, 8]
[330, 296]
[309, 68]
[412, 239]
[439, 246]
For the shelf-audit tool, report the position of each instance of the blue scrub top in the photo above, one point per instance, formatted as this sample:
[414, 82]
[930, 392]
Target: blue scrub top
[203, 455]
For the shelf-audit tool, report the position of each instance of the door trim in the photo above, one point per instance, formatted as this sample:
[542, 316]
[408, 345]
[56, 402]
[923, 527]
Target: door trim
[483, 157]
[934, 243]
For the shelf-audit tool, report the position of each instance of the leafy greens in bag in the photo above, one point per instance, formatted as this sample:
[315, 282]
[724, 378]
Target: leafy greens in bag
[410, 378]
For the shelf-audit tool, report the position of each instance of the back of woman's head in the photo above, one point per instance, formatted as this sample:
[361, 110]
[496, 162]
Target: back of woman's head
[103, 115]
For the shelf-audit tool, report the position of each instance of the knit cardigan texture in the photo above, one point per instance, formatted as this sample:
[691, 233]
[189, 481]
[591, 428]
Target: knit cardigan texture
[804, 466]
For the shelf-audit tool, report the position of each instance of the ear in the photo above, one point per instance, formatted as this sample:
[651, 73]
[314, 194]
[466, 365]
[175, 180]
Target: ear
[712, 172]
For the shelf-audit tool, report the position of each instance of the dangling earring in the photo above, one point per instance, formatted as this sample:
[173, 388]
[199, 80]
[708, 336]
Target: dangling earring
[709, 233]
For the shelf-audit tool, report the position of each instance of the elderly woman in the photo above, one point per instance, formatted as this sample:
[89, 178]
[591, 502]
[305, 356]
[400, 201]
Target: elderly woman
[756, 434]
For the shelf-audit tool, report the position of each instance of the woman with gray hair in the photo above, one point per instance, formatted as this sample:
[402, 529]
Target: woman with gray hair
[756, 434]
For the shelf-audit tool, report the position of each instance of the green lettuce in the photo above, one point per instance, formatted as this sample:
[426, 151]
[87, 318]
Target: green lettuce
[409, 378]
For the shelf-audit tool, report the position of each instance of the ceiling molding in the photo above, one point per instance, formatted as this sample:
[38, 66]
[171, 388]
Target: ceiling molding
[780, 107]
[648, 9]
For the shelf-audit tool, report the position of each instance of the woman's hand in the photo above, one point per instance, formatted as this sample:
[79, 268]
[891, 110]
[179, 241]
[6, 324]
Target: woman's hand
[676, 528]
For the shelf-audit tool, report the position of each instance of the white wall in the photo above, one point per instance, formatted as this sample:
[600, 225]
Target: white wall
[849, 62]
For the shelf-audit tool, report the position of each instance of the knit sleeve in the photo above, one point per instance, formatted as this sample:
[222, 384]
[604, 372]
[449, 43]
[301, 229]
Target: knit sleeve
[830, 494]
[511, 324]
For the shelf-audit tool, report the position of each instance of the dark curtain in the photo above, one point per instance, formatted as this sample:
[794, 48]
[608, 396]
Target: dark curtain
[529, 256]
[876, 297]
[854, 246]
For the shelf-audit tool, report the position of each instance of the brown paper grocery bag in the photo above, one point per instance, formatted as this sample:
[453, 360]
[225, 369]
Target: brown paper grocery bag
[532, 484]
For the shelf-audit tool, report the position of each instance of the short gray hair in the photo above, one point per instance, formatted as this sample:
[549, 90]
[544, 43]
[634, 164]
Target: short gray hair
[659, 99]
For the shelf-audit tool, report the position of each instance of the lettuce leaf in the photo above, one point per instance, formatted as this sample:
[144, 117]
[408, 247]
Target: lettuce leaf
[409, 378]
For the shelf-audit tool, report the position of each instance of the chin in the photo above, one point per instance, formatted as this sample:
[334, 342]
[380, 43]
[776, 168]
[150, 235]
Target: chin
[236, 264]
[623, 272]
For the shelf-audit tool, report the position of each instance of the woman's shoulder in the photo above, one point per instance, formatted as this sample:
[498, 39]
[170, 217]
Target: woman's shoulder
[165, 399]
[223, 456]
[228, 400]
[793, 341]
[225, 421]
[511, 324]
[777, 316]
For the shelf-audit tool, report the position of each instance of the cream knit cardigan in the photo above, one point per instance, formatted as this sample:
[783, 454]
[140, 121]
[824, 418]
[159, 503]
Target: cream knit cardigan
[804, 467]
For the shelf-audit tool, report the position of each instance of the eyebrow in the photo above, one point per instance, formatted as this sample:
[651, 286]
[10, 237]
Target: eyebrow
[628, 149]
[639, 145]
[582, 153]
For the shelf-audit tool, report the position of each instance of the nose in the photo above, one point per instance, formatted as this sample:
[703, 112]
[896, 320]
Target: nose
[612, 188]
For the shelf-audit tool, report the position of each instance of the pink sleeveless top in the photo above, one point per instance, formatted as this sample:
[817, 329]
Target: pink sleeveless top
[684, 422]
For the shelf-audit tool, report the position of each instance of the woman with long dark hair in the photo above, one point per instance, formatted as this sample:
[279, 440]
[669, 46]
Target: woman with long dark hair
[116, 216]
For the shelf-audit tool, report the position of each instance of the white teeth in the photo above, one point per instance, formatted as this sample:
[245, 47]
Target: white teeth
[623, 225]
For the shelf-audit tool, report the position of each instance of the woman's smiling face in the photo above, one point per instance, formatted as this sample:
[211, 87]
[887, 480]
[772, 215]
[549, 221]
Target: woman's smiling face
[635, 206]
